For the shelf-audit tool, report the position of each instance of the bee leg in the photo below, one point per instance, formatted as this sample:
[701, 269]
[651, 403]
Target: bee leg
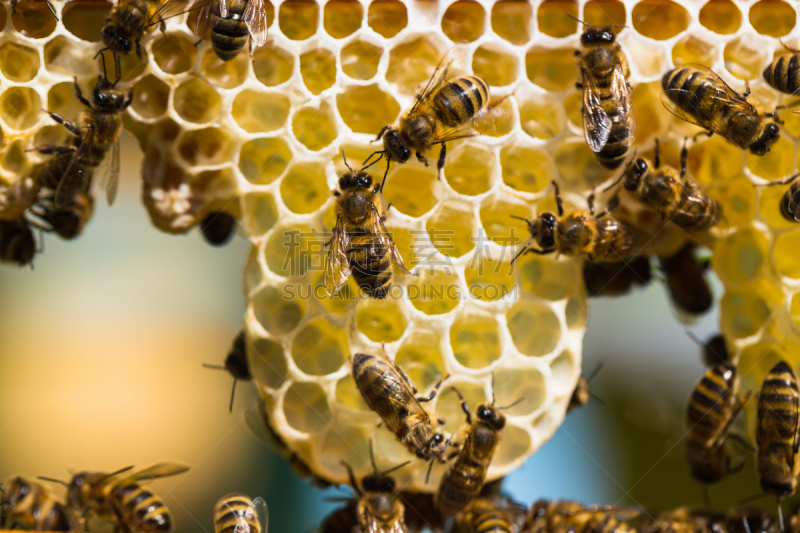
[432, 394]
[657, 155]
[540, 252]
[422, 159]
[67, 124]
[784, 181]
[80, 96]
[463, 403]
[440, 164]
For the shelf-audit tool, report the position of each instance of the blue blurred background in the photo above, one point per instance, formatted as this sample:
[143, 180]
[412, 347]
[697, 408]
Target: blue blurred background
[102, 346]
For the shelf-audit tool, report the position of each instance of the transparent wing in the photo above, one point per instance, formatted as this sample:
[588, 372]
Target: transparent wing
[74, 179]
[258, 424]
[622, 96]
[172, 8]
[437, 79]
[376, 223]
[255, 18]
[702, 117]
[596, 122]
[223, 8]
[259, 512]
[337, 266]
[110, 179]
[158, 470]
[203, 25]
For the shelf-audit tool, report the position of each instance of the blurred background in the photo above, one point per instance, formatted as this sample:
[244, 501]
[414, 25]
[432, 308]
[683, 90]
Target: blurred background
[101, 352]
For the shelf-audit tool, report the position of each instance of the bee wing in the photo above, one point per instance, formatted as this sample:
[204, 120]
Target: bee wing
[173, 8]
[337, 266]
[722, 92]
[158, 470]
[596, 122]
[258, 424]
[258, 511]
[223, 8]
[74, 178]
[437, 79]
[255, 18]
[110, 179]
[376, 221]
[622, 95]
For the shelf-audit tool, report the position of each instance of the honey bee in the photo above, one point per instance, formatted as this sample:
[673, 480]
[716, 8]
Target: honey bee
[582, 393]
[601, 238]
[237, 513]
[776, 434]
[609, 124]
[686, 281]
[783, 74]
[571, 517]
[713, 406]
[218, 227]
[378, 509]
[389, 392]
[360, 243]
[462, 482]
[715, 351]
[17, 244]
[489, 516]
[123, 500]
[682, 520]
[96, 133]
[666, 192]
[699, 96]
[230, 22]
[129, 20]
[29, 506]
[236, 363]
[439, 115]
[615, 279]
[790, 201]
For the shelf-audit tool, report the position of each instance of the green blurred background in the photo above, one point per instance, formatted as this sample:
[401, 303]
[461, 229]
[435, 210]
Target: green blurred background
[102, 348]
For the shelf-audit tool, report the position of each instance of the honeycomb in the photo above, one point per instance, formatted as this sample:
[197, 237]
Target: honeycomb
[261, 137]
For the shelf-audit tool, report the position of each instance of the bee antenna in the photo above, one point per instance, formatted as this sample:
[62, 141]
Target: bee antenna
[120, 471]
[117, 68]
[752, 498]
[233, 393]
[364, 164]
[345, 162]
[595, 371]
[215, 367]
[352, 477]
[428, 475]
[103, 59]
[372, 458]
[100, 52]
[494, 399]
[398, 467]
[522, 219]
[509, 406]
[577, 19]
[43, 478]
[697, 340]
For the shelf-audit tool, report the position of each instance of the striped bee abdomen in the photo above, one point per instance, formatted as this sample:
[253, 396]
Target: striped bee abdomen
[612, 155]
[783, 74]
[229, 34]
[790, 203]
[370, 263]
[492, 521]
[461, 99]
[778, 402]
[234, 510]
[141, 509]
[711, 403]
[776, 431]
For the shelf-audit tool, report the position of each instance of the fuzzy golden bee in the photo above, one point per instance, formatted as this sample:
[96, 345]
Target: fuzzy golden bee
[687, 285]
[130, 20]
[360, 243]
[218, 227]
[777, 440]
[377, 508]
[236, 363]
[230, 22]
[70, 169]
[601, 238]
[609, 124]
[442, 113]
[571, 517]
[783, 74]
[462, 482]
[676, 199]
[17, 243]
[698, 95]
[30, 506]
[237, 513]
[616, 279]
[713, 406]
[132, 507]
[389, 392]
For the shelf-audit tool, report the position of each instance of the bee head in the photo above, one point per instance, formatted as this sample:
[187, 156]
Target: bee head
[768, 137]
[104, 96]
[75, 490]
[544, 230]
[598, 35]
[395, 147]
[491, 415]
[16, 490]
[114, 40]
[236, 361]
[638, 168]
[377, 483]
[355, 180]
[217, 227]
[538, 510]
